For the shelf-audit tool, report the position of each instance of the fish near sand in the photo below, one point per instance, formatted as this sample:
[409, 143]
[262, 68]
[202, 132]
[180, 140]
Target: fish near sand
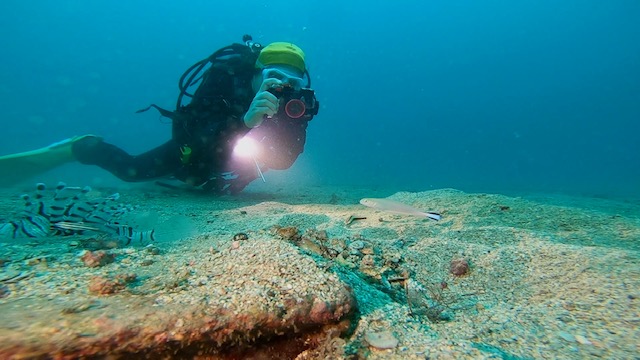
[397, 208]
[66, 211]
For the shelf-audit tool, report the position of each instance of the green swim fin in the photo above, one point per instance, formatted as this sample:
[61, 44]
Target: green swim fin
[18, 167]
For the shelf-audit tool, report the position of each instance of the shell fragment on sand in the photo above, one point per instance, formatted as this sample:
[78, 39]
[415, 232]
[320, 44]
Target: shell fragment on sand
[397, 207]
[381, 340]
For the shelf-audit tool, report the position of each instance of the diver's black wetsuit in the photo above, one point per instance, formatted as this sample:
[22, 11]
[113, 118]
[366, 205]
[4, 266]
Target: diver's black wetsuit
[210, 126]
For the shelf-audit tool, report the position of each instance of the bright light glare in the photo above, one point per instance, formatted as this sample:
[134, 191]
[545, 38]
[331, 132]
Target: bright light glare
[246, 147]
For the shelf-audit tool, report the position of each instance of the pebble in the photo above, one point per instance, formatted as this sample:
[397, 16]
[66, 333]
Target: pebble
[394, 257]
[357, 245]
[582, 340]
[566, 336]
[153, 250]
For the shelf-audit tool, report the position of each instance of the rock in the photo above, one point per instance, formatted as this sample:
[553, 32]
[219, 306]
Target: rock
[97, 258]
[289, 233]
[240, 237]
[356, 245]
[244, 310]
[99, 285]
[4, 291]
[583, 340]
[566, 336]
[459, 267]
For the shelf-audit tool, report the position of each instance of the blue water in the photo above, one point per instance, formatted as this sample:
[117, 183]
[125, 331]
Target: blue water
[482, 96]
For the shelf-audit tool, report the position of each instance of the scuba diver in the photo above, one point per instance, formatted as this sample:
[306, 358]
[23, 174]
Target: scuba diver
[249, 113]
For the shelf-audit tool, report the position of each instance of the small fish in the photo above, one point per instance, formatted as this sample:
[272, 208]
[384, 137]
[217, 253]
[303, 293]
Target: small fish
[127, 233]
[397, 208]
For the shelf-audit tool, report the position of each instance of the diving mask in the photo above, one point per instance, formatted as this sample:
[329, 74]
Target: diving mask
[289, 78]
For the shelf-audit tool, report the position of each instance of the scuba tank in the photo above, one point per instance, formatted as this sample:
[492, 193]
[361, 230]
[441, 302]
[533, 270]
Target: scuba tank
[233, 56]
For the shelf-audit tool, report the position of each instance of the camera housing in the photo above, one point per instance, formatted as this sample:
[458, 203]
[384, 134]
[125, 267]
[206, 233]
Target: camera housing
[299, 105]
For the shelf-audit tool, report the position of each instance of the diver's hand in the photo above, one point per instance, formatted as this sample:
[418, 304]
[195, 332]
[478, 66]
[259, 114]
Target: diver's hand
[264, 103]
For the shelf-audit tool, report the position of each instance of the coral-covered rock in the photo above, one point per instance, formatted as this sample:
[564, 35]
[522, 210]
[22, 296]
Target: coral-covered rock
[459, 267]
[104, 286]
[97, 258]
[289, 233]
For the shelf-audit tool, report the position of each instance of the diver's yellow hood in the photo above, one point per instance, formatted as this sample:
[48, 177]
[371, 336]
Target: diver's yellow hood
[282, 53]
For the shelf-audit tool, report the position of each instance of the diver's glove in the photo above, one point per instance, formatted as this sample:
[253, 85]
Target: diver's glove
[264, 103]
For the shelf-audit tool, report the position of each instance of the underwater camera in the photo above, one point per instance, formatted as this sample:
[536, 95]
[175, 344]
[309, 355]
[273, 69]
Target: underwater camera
[296, 104]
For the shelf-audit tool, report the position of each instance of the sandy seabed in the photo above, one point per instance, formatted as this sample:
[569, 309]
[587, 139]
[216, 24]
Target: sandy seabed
[311, 274]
